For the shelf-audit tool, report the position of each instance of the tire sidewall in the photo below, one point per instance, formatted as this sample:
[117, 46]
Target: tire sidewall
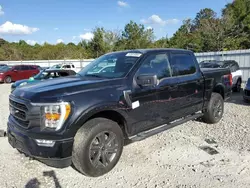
[214, 98]
[83, 147]
[6, 79]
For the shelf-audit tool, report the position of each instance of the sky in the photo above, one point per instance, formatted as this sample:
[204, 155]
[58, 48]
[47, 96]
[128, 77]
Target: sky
[56, 21]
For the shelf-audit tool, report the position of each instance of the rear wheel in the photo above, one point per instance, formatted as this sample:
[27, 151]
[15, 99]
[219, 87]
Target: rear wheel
[215, 109]
[98, 146]
[7, 79]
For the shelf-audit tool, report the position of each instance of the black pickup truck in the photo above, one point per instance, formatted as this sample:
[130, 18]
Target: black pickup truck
[86, 119]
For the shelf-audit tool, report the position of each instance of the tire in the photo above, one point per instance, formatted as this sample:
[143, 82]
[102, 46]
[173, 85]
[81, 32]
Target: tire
[91, 146]
[215, 109]
[7, 79]
[246, 100]
[237, 87]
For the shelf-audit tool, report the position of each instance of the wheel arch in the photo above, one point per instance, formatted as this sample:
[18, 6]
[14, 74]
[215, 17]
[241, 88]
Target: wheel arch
[111, 113]
[220, 90]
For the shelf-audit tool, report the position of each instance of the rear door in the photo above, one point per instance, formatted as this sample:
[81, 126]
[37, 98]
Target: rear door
[187, 92]
[33, 70]
[26, 72]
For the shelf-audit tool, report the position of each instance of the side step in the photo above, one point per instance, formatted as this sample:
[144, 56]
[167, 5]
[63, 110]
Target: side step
[146, 134]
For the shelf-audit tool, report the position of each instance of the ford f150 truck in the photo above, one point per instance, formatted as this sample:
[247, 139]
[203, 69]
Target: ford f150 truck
[86, 119]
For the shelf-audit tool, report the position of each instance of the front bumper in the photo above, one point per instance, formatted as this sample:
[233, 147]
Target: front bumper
[246, 95]
[57, 156]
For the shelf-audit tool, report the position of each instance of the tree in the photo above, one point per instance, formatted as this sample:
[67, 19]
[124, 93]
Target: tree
[186, 38]
[162, 43]
[237, 14]
[136, 36]
[204, 14]
[97, 45]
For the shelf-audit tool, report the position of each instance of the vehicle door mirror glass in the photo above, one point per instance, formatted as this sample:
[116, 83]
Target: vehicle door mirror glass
[147, 80]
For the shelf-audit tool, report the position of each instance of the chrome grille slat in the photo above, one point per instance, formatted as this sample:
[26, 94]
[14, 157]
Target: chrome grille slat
[19, 106]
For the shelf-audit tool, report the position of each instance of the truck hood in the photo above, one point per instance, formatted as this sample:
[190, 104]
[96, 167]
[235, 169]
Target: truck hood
[56, 89]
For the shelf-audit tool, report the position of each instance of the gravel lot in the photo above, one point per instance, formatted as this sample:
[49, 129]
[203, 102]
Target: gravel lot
[173, 158]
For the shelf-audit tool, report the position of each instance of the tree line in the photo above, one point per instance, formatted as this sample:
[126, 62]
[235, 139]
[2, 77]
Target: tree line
[206, 32]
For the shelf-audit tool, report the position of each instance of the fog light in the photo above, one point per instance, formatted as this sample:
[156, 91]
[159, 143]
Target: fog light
[45, 143]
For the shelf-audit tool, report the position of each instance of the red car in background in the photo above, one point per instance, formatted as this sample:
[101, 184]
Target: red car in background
[9, 74]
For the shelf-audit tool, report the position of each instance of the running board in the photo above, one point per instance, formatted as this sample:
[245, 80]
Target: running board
[146, 134]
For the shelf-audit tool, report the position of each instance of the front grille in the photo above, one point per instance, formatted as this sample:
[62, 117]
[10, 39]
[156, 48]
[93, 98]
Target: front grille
[247, 93]
[18, 105]
[19, 112]
[21, 122]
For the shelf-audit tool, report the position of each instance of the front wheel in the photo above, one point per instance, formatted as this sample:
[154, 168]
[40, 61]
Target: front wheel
[98, 146]
[215, 109]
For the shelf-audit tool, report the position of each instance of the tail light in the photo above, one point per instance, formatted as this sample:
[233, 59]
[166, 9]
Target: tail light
[230, 79]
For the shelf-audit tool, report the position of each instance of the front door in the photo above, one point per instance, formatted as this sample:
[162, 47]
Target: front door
[145, 113]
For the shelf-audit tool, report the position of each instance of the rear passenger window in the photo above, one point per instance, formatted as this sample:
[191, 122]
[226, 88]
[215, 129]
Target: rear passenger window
[157, 64]
[182, 64]
[32, 68]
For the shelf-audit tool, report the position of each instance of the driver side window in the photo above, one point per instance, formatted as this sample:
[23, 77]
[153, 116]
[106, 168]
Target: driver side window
[156, 64]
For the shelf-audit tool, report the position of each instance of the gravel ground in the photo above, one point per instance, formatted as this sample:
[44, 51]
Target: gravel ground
[174, 158]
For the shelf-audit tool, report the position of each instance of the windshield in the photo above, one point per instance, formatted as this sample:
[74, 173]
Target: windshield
[121, 63]
[4, 68]
[56, 66]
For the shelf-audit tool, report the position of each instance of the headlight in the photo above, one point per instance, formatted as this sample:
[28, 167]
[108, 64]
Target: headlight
[24, 83]
[54, 115]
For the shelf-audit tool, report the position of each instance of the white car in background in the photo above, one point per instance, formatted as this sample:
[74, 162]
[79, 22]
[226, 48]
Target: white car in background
[232, 65]
[64, 66]
[102, 69]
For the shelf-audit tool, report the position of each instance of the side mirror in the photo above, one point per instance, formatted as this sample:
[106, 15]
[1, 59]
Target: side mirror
[147, 80]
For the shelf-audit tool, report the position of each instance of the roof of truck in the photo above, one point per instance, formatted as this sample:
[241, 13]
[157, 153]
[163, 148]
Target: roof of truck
[143, 51]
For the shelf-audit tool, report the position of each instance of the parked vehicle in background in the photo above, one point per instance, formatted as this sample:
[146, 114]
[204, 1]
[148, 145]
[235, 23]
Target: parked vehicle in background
[87, 118]
[44, 68]
[232, 65]
[38, 67]
[3, 65]
[103, 69]
[43, 75]
[9, 74]
[65, 66]
[246, 91]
